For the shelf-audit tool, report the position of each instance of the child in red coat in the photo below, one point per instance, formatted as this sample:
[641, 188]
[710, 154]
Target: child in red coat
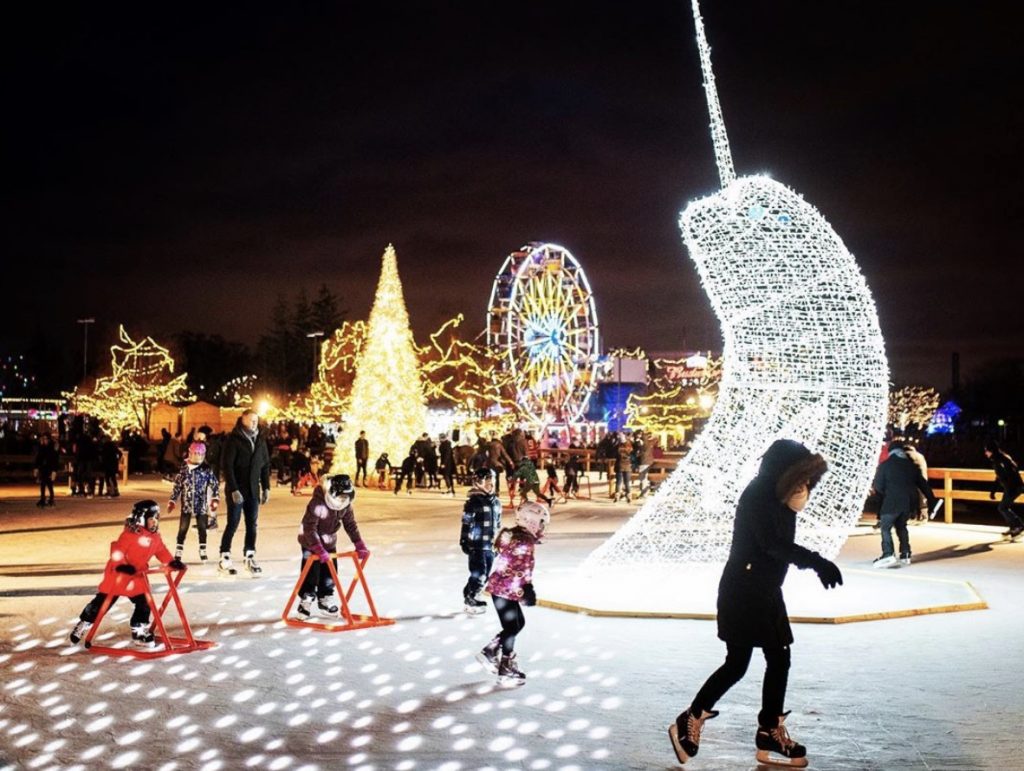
[130, 554]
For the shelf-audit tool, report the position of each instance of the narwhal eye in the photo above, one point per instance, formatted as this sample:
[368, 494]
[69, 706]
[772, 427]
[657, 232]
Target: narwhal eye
[755, 212]
[784, 219]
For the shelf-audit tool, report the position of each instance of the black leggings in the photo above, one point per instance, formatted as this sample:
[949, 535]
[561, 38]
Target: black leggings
[140, 615]
[510, 613]
[773, 691]
[184, 521]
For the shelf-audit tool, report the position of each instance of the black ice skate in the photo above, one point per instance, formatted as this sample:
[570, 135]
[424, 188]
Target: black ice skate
[509, 672]
[327, 607]
[226, 567]
[685, 733]
[774, 747]
[305, 609]
[251, 566]
[142, 636]
[1014, 534]
[81, 629]
[490, 656]
[473, 606]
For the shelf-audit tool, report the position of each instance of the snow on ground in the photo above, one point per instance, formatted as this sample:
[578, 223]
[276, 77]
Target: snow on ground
[931, 692]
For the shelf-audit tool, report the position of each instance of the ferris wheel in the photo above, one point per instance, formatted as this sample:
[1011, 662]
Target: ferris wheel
[542, 321]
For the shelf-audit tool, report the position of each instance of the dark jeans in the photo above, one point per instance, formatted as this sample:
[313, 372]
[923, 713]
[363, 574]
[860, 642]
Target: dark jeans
[449, 482]
[737, 659]
[1005, 508]
[45, 486]
[622, 482]
[510, 614]
[140, 615]
[184, 521]
[899, 521]
[572, 484]
[251, 508]
[360, 467]
[480, 561]
[318, 580]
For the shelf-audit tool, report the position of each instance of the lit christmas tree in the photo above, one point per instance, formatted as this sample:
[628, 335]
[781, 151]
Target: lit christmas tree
[387, 394]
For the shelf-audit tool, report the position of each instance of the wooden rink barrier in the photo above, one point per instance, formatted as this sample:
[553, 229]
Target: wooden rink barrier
[949, 494]
[349, 619]
[171, 645]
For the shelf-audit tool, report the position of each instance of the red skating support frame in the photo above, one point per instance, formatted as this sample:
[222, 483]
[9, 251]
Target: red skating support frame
[349, 619]
[186, 644]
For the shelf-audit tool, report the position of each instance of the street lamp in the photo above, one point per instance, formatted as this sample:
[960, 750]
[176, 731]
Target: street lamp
[313, 336]
[85, 345]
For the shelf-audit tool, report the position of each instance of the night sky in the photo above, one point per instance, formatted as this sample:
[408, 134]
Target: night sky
[175, 167]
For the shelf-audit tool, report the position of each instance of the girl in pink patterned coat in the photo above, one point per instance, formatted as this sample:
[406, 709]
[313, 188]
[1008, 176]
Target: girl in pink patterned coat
[511, 587]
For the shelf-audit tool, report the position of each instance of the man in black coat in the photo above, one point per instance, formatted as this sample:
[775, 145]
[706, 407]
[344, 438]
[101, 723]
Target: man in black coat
[45, 469]
[751, 609]
[898, 480]
[362, 456]
[1007, 478]
[245, 462]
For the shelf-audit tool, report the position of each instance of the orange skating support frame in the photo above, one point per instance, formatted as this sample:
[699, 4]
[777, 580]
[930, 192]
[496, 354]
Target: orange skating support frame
[185, 644]
[349, 619]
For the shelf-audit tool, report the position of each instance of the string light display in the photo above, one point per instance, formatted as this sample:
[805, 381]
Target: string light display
[542, 320]
[671, 409]
[387, 393]
[912, 405]
[803, 359]
[142, 376]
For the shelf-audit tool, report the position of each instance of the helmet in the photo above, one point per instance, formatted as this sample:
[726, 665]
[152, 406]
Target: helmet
[533, 517]
[483, 474]
[142, 513]
[337, 487]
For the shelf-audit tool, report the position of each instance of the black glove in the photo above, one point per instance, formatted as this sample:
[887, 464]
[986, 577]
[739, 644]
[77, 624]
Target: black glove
[465, 546]
[529, 595]
[828, 573]
[176, 564]
[128, 570]
[991, 495]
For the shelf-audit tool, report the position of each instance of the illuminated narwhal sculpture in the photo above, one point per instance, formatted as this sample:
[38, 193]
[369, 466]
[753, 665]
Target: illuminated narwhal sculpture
[803, 359]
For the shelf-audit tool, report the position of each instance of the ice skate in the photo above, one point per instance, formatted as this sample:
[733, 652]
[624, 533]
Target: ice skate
[509, 672]
[886, 561]
[80, 631]
[203, 558]
[1014, 534]
[142, 636]
[225, 568]
[251, 566]
[685, 733]
[179, 550]
[904, 560]
[41, 503]
[327, 607]
[305, 609]
[473, 606]
[776, 748]
[490, 656]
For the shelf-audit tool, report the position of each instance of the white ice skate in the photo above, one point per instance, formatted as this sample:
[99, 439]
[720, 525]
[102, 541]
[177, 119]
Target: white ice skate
[226, 568]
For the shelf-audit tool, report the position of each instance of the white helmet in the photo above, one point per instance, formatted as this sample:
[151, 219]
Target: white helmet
[533, 517]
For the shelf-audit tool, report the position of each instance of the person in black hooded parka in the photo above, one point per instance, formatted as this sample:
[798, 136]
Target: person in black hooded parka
[751, 609]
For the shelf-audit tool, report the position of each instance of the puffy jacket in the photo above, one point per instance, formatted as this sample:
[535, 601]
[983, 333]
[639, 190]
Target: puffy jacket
[481, 519]
[898, 480]
[196, 486]
[245, 463]
[321, 523]
[513, 564]
[135, 549]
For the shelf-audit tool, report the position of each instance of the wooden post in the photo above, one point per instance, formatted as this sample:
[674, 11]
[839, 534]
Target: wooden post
[947, 493]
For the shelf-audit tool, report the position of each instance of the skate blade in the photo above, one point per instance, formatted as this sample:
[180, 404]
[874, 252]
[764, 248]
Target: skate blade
[673, 734]
[511, 682]
[487, 664]
[473, 610]
[770, 759]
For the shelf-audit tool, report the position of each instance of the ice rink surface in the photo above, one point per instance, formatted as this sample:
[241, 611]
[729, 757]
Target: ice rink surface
[930, 692]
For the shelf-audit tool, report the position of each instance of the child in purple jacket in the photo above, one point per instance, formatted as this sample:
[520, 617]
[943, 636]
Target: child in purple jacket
[327, 512]
[511, 586]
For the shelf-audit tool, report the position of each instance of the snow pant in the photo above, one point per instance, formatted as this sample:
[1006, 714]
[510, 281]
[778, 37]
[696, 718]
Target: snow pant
[45, 486]
[1005, 508]
[899, 521]
[184, 520]
[532, 487]
[361, 467]
[318, 581]
[737, 659]
[480, 561]
[407, 478]
[251, 508]
[510, 614]
[140, 616]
